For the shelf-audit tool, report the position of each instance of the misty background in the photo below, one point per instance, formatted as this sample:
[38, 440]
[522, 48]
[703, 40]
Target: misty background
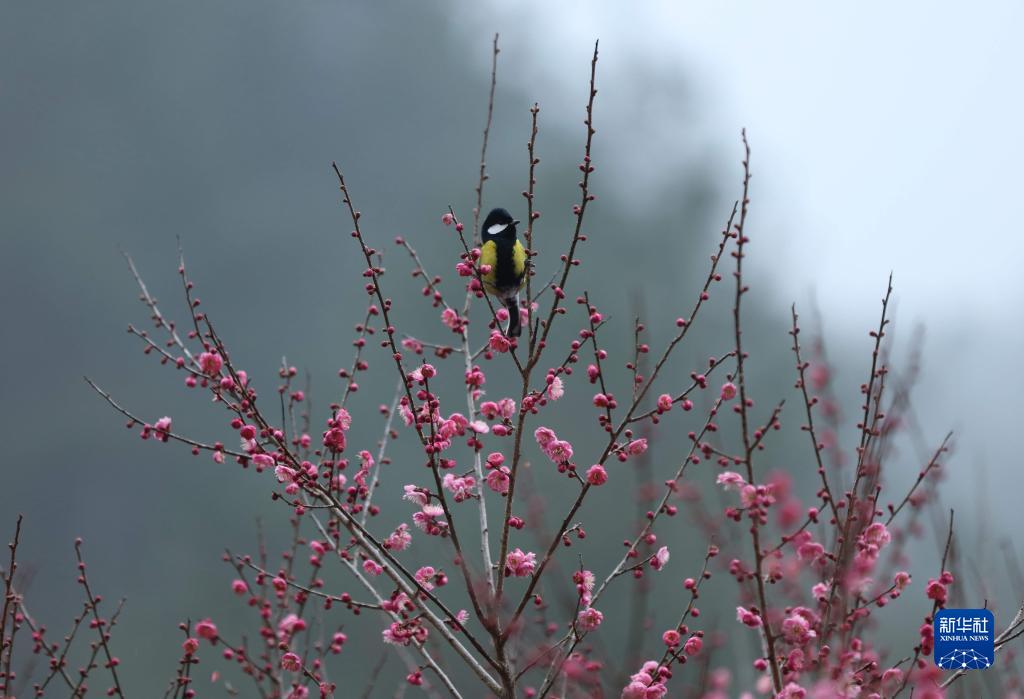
[885, 138]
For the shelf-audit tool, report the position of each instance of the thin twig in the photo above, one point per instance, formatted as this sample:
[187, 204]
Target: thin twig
[748, 445]
[10, 606]
[101, 625]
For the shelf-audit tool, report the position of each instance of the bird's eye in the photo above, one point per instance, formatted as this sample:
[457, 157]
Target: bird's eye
[497, 228]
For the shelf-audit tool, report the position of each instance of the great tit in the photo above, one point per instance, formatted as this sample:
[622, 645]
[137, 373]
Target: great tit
[502, 251]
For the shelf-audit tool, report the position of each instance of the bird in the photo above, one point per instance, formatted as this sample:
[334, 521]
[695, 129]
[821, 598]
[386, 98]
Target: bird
[506, 256]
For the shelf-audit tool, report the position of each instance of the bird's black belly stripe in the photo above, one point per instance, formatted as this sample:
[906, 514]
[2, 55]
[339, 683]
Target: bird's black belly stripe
[505, 276]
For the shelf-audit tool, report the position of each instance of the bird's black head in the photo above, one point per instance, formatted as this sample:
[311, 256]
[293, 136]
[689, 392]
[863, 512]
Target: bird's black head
[499, 224]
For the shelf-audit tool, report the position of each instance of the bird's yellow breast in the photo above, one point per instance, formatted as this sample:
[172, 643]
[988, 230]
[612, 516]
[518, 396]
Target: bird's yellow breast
[489, 257]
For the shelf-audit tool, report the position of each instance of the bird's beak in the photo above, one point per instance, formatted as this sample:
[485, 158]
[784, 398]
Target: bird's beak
[515, 222]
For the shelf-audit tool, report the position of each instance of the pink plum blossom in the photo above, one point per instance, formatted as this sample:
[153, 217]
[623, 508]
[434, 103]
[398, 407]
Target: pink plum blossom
[520, 564]
[544, 436]
[499, 342]
[730, 480]
[498, 480]
[660, 558]
[596, 475]
[210, 363]
[748, 617]
[589, 619]
[291, 662]
[206, 629]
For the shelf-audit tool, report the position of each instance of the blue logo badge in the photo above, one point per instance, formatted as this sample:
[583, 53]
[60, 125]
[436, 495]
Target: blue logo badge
[964, 639]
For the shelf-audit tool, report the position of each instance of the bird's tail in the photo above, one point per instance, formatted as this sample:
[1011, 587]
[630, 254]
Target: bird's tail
[512, 305]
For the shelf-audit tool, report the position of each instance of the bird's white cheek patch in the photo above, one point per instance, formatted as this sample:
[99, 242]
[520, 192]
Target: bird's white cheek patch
[497, 228]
